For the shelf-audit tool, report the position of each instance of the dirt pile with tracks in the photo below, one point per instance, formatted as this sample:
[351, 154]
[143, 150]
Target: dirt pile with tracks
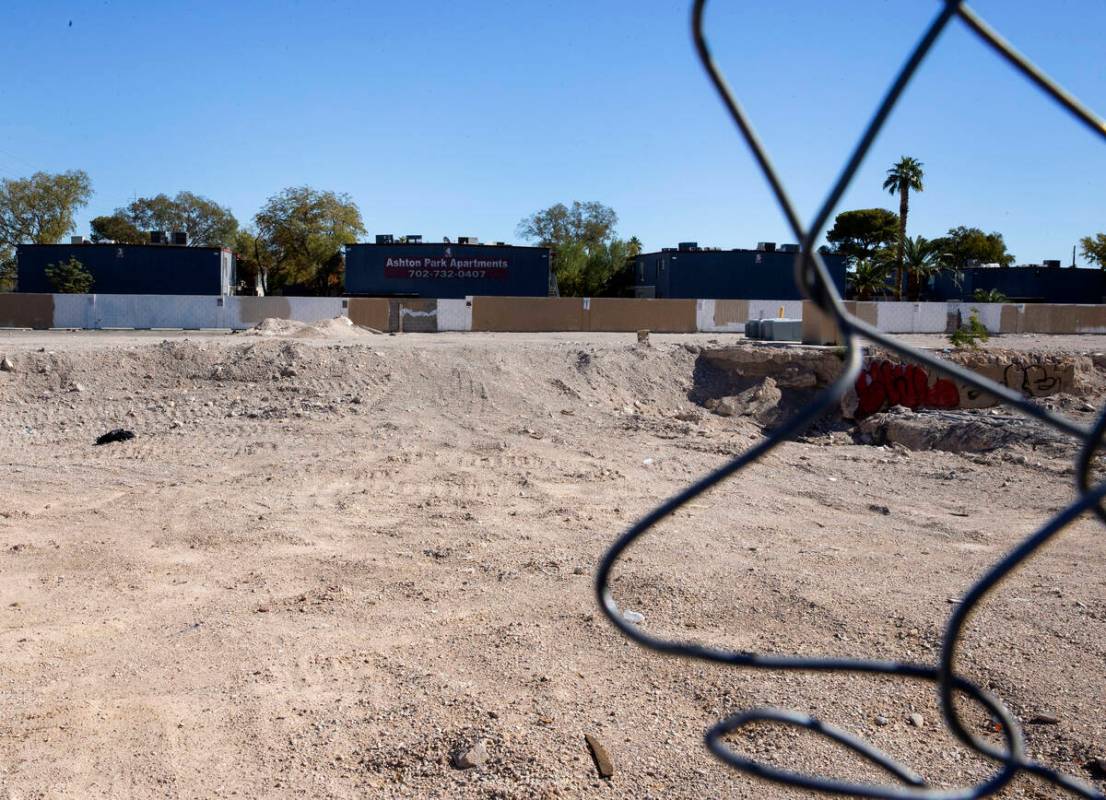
[335, 568]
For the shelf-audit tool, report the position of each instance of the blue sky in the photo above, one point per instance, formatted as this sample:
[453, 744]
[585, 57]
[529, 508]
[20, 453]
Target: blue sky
[448, 118]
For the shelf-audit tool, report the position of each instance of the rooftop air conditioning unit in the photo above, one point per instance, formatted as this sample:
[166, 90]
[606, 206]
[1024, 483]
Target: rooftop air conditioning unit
[158, 237]
[766, 247]
[77, 240]
[688, 245]
[789, 248]
[180, 237]
[414, 238]
[468, 240]
[1052, 264]
[384, 238]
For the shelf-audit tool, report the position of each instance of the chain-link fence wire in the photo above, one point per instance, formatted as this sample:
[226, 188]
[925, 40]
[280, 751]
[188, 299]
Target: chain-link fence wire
[1011, 759]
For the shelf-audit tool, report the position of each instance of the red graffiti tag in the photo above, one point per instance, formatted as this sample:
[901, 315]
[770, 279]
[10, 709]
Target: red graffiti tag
[886, 384]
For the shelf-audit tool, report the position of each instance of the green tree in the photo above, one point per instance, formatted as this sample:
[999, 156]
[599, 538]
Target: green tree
[989, 296]
[8, 271]
[247, 258]
[962, 246]
[588, 258]
[300, 235]
[69, 277]
[868, 278]
[906, 175]
[40, 209]
[863, 234]
[1094, 249]
[116, 228]
[590, 223]
[208, 224]
[921, 259]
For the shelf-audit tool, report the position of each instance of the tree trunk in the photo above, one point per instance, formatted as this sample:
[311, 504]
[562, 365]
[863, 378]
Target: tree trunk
[904, 204]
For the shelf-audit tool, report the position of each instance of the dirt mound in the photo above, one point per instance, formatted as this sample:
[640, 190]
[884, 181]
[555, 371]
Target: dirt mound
[337, 328]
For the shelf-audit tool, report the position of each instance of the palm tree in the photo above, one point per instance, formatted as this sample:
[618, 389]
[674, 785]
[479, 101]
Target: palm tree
[920, 260]
[905, 175]
[869, 277]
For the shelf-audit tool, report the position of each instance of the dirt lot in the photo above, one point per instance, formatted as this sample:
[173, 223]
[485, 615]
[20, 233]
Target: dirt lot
[325, 564]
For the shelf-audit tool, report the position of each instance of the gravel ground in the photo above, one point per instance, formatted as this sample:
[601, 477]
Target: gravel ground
[326, 565]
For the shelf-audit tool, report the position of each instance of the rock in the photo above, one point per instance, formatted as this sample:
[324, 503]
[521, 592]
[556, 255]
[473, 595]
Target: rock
[954, 432]
[882, 720]
[879, 509]
[579, 571]
[1043, 719]
[688, 416]
[633, 617]
[850, 404]
[471, 757]
[761, 402]
[917, 720]
[117, 435]
[724, 408]
[603, 764]
[643, 337]
[76, 387]
[6, 365]
[1097, 768]
[288, 372]
[1087, 407]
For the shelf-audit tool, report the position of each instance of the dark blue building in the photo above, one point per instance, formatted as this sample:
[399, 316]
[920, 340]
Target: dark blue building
[446, 270]
[1023, 284]
[132, 268]
[767, 273]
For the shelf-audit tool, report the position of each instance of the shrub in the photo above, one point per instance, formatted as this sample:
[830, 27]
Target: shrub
[971, 334]
[69, 277]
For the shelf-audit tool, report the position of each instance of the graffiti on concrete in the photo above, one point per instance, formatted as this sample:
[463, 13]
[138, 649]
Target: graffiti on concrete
[1033, 380]
[883, 384]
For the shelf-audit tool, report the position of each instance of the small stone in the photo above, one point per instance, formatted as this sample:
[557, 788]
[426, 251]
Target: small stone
[76, 387]
[603, 764]
[1043, 719]
[879, 509]
[1087, 407]
[472, 757]
[579, 571]
[288, 372]
[633, 617]
[1097, 768]
[917, 720]
[6, 365]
